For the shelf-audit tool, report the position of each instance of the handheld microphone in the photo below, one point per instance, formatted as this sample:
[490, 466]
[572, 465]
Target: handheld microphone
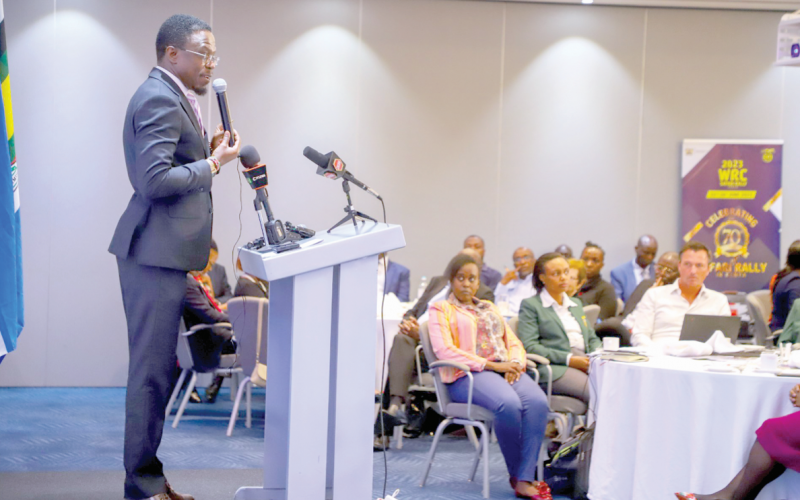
[220, 87]
[332, 167]
[256, 175]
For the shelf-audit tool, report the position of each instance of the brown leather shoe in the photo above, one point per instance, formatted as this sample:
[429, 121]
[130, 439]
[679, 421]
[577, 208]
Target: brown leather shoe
[173, 495]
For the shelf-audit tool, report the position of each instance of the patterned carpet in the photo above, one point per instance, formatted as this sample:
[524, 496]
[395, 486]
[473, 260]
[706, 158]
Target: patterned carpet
[81, 429]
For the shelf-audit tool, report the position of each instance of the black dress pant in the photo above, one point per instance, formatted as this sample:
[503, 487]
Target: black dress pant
[153, 299]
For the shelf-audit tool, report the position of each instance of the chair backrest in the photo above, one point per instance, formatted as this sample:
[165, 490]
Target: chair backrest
[620, 306]
[592, 312]
[183, 352]
[244, 315]
[513, 323]
[442, 394]
[759, 305]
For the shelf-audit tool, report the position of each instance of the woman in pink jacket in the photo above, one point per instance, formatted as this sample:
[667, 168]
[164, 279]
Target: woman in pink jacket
[471, 331]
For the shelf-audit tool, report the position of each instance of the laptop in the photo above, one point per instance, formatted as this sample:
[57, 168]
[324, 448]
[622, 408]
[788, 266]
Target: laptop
[701, 327]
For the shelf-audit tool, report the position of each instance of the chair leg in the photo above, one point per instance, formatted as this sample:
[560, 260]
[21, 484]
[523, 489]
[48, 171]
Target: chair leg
[235, 412]
[185, 400]
[540, 460]
[473, 438]
[397, 436]
[485, 438]
[475, 462]
[249, 418]
[436, 436]
[175, 392]
[494, 435]
[234, 383]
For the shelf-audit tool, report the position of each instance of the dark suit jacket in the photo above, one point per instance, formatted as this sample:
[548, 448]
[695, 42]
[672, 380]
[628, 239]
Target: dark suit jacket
[436, 285]
[168, 219]
[783, 297]
[542, 333]
[490, 277]
[247, 288]
[398, 280]
[636, 296]
[197, 309]
[219, 279]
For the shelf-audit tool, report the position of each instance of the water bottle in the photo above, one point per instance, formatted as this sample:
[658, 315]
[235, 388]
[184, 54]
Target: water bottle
[422, 286]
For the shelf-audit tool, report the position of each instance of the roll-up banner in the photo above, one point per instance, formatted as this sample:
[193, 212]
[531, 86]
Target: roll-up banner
[731, 202]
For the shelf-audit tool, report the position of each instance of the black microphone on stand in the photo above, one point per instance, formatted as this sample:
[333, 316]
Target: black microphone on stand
[332, 167]
[220, 87]
[256, 175]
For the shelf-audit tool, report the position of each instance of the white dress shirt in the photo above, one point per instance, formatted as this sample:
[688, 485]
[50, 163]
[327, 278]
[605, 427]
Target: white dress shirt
[513, 293]
[568, 321]
[640, 273]
[659, 316]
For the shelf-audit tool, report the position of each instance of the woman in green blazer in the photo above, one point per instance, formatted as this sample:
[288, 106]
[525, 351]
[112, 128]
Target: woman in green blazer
[554, 326]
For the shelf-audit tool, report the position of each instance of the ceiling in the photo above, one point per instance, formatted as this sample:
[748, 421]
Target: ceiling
[774, 5]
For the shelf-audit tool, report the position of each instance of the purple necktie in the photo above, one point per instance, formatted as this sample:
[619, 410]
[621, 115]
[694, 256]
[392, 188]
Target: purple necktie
[196, 107]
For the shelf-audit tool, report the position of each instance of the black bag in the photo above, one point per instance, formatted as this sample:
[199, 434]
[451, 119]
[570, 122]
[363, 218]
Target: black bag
[584, 462]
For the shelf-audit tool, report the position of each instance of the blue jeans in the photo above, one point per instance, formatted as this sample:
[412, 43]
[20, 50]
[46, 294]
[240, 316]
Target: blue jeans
[520, 416]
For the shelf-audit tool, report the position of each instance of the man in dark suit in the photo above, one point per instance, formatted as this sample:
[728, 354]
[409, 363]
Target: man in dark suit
[397, 280]
[164, 232]
[218, 277]
[626, 277]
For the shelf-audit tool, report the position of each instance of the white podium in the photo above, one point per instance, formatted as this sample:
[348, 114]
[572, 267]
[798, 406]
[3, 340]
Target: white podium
[320, 373]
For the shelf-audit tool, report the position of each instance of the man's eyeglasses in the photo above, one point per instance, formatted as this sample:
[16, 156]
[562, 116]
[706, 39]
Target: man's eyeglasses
[208, 59]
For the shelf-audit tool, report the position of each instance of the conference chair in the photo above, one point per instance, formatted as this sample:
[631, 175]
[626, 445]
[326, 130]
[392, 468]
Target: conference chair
[592, 312]
[195, 360]
[249, 317]
[467, 414]
[620, 306]
[563, 409]
[759, 304]
[423, 384]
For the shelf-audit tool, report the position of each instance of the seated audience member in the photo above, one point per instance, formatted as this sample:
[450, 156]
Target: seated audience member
[577, 277]
[201, 308]
[658, 318]
[776, 449]
[554, 326]
[402, 355]
[785, 288]
[620, 326]
[250, 286]
[791, 329]
[516, 284]
[597, 290]
[471, 331]
[489, 277]
[564, 250]
[396, 280]
[219, 278]
[626, 277]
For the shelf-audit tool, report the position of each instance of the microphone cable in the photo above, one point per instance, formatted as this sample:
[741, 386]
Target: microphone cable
[385, 361]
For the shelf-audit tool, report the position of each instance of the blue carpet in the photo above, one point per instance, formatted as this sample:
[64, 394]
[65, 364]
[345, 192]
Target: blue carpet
[81, 429]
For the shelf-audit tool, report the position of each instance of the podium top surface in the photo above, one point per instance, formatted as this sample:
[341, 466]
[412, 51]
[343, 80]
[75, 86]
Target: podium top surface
[343, 244]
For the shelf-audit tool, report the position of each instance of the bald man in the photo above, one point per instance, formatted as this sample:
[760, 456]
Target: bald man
[516, 284]
[626, 278]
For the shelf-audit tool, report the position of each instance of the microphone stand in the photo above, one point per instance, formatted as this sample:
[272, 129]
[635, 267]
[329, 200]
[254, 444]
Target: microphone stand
[352, 213]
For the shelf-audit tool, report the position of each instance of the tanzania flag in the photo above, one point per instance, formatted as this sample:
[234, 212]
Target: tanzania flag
[11, 317]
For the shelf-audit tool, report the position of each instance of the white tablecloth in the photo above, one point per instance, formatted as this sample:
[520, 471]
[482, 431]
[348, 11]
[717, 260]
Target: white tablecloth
[668, 425]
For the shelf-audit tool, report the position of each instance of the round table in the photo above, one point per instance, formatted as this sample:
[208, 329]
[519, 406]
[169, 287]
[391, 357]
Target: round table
[669, 425]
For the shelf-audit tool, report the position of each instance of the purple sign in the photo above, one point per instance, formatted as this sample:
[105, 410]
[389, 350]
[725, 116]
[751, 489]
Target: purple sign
[732, 203]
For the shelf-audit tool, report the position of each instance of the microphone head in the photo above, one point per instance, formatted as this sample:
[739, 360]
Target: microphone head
[219, 85]
[315, 156]
[249, 156]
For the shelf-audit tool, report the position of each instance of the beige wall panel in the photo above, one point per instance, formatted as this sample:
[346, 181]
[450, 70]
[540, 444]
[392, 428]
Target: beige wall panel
[429, 120]
[570, 129]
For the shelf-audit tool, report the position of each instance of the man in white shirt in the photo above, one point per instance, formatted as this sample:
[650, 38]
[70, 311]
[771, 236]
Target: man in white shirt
[517, 284]
[659, 316]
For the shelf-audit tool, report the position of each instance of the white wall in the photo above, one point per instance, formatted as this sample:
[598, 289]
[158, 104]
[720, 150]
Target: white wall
[531, 124]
